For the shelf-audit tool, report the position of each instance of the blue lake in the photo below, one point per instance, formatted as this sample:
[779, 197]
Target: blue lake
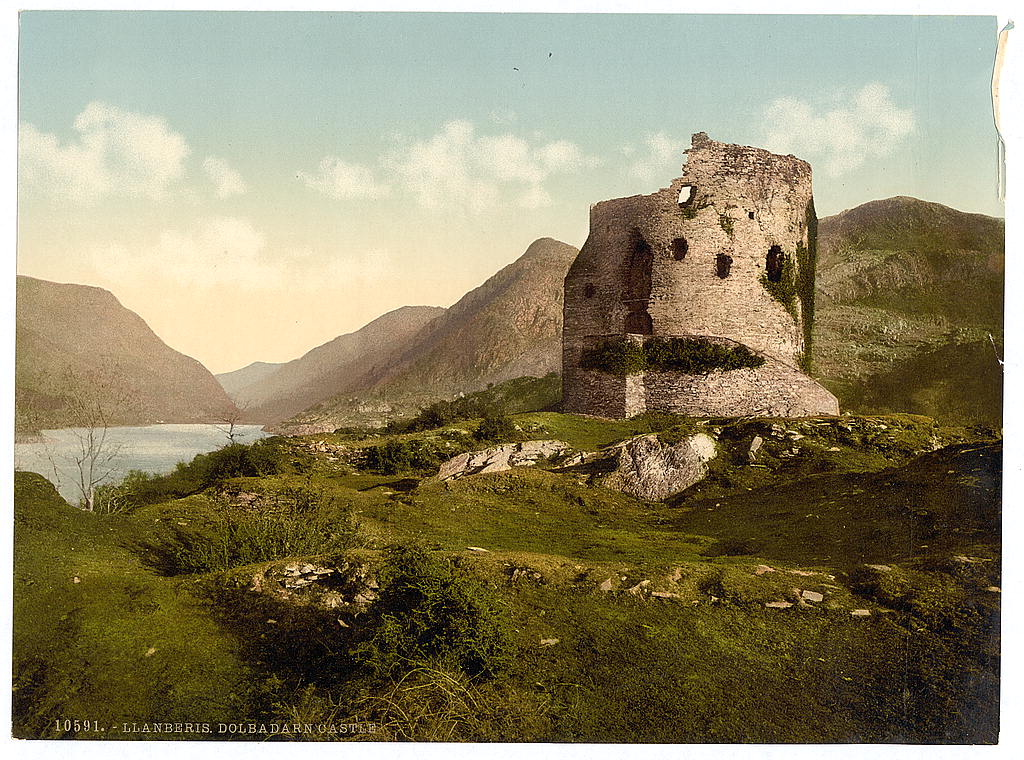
[153, 448]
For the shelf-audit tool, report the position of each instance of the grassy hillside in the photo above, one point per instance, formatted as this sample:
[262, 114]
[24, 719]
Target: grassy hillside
[310, 581]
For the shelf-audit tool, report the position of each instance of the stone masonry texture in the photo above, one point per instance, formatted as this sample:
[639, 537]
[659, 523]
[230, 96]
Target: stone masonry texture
[691, 260]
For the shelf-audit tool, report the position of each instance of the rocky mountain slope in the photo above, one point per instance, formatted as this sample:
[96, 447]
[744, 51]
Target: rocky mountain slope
[508, 327]
[347, 363]
[79, 342]
[235, 382]
[909, 310]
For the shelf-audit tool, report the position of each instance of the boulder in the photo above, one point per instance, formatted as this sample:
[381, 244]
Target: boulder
[649, 469]
[755, 446]
[501, 458]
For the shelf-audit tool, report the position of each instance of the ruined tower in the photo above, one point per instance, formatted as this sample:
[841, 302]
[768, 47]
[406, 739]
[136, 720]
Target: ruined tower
[718, 266]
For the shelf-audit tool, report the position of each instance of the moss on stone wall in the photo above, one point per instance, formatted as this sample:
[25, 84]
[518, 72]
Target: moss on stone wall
[689, 210]
[797, 283]
[784, 290]
[807, 260]
[690, 356]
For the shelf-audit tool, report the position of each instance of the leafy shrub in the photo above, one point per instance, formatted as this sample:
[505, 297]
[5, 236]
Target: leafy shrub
[498, 429]
[114, 498]
[429, 610]
[299, 500]
[394, 457]
[270, 456]
[691, 356]
[619, 357]
[521, 394]
[726, 223]
[242, 540]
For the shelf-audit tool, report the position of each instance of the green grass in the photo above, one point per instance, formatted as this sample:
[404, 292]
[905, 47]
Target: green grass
[121, 644]
[709, 663]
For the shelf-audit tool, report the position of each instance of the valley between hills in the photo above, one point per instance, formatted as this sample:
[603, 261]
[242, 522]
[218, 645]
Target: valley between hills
[428, 549]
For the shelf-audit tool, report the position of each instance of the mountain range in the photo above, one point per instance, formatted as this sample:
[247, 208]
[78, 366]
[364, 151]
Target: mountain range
[508, 327]
[908, 318]
[909, 310]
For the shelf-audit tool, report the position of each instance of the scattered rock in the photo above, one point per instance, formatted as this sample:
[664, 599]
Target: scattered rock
[666, 595]
[606, 586]
[649, 469]
[519, 573]
[802, 572]
[150, 652]
[762, 569]
[994, 589]
[478, 549]
[639, 588]
[970, 560]
[76, 579]
[880, 568]
[548, 642]
[501, 458]
[677, 574]
[778, 605]
[755, 446]
[581, 458]
[860, 613]
[812, 596]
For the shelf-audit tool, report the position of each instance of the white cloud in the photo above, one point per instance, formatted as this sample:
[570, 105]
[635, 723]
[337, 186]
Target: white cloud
[212, 251]
[660, 157]
[337, 179]
[114, 152]
[458, 167]
[534, 197]
[502, 116]
[226, 181]
[842, 138]
[228, 250]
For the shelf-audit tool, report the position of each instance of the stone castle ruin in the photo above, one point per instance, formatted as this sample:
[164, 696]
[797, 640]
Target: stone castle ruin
[698, 299]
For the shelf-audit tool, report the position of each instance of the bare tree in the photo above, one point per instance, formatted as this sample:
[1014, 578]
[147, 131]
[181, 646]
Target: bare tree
[89, 403]
[230, 419]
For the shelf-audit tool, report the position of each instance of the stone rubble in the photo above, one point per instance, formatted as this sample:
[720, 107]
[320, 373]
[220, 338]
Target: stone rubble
[501, 458]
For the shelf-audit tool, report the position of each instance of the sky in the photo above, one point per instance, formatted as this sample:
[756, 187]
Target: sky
[254, 184]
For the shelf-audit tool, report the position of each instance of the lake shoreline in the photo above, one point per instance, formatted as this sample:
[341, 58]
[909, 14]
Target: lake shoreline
[154, 448]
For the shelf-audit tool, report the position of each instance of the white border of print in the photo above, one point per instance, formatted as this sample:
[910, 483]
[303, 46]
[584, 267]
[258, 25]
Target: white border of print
[1012, 734]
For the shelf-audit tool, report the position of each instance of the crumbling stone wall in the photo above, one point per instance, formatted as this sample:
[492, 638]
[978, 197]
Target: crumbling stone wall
[775, 389]
[704, 246]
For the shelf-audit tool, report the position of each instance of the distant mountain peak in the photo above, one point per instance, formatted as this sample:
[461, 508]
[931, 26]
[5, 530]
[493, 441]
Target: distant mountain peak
[507, 327]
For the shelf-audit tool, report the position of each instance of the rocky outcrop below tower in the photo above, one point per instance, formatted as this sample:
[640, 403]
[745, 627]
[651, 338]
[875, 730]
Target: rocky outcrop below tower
[720, 261]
